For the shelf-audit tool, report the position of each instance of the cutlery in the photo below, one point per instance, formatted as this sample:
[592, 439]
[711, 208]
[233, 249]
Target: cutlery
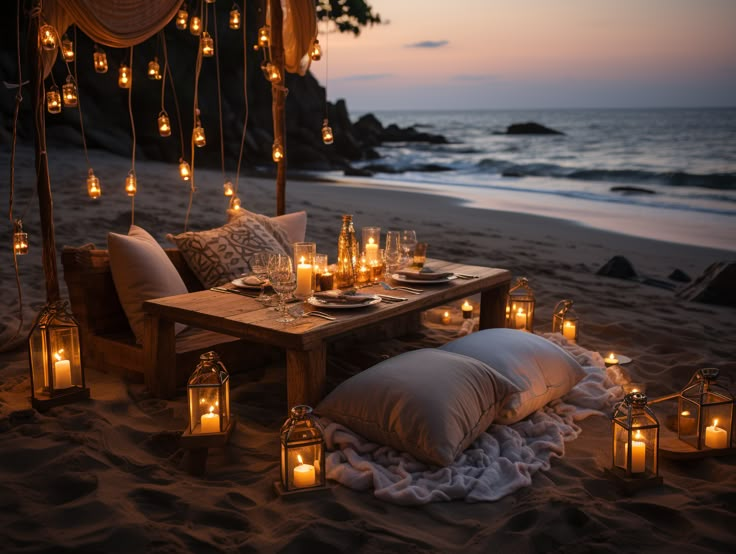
[464, 276]
[234, 291]
[406, 289]
[388, 298]
[301, 312]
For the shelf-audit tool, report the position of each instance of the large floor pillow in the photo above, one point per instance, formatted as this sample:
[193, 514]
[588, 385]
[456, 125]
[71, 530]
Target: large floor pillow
[540, 370]
[429, 403]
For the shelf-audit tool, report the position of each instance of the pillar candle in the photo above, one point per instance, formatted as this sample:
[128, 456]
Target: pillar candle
[568, 330]
[304, 475]
[715, 437]
[303, 279]
[687, 423]
[521, 319]
[62, 372]
[371, 251]
[210, 423]
[638, 453]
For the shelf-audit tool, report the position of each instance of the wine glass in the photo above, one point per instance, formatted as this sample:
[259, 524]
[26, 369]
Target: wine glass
[408, 243]
[259, 266]
[392, 253]
[283, 280]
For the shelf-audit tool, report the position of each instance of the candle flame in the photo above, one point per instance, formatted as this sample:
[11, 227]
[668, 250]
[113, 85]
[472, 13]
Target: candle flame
[638, 435]
[611, 356]
[61, 350]
[446, 314]
[299, 459]
[301, 260]
[520, 312]
[212, 409]
[715, 423]
[634, 390]
[685, 413]
[371, 241]
[466, 305]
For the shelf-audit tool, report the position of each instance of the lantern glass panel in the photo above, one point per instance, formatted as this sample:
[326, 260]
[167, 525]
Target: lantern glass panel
[235, 18]
[69, 92]
[208, 390]
[198, 137]
[705, 412]
[93, 185]
[100, 61]
[635, 432]
[302, 451]
[53, 100]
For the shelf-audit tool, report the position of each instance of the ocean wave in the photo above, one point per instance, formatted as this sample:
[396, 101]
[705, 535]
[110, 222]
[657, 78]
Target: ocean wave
[719, 181]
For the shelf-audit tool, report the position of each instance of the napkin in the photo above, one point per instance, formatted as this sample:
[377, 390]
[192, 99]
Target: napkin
[343, 298]
[251, 281]
[425, 274]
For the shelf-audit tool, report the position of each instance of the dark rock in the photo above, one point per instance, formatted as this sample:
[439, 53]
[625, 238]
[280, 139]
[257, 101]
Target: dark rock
[679, 276]
[430, 168]
[357, 172]
[394, 133]
[382, 168]
[714, 286]
[632, 190]
[619, 267]
[511, 173]
[530, 128]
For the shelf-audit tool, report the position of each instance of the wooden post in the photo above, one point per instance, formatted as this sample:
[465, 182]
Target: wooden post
[278, 93]
[43, 185]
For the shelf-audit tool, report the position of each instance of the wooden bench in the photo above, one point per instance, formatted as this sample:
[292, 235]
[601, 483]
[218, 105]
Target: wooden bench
[107, 341]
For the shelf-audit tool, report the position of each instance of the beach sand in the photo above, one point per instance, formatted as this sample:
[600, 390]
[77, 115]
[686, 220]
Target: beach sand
[106, 475]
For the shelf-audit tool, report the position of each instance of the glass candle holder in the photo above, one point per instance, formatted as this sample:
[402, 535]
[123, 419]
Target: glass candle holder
[304, 253]
[371, 240]
[320, 268]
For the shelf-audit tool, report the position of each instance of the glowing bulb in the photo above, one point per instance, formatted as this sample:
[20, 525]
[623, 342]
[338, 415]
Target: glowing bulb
[154, 70]
[69, 93]
[93, 185]
[198, 136]
[207, 45]
[327, 136]
[271, 72]
[164, 124]
[182, 17]
[184, 170]
[195, 25]
[235, 17]
[67, 49]
[124, 77]
[20, 240]
[228, 189]
[316, 52]
[277, 152]
[47, 35]
[53, 100]
[131, 186]
[235, 203]
[264, 36]
[100, 60]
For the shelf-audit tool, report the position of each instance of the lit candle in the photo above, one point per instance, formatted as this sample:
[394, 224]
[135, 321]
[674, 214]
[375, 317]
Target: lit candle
[326, 281]
[304, 475]
[687, 425]
[715, 437]
[63, 372]
[210, 423]
[371, 251]
[467, 310]
[521, 319]
[568, 330]
[446, 318]
[303, 278]
[638, 453]
[611, 359]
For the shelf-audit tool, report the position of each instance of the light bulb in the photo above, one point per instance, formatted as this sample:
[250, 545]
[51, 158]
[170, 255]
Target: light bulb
[164, 124]
[69, 93]
[67, 49]
[131, 185]
[100, 60]
[93, 185]
[47, 35]
[184, 170]
[235, 17]
[124, 77]
[53, 100]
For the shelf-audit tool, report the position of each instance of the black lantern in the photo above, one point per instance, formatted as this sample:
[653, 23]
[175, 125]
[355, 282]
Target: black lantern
[520, 306]
[565, 320]
[57, 376]
[208, 390]
[302, 452]
[705, 412]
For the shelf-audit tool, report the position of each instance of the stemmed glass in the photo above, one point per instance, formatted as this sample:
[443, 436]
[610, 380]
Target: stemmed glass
[408, 243]
[392, 253]
[283, 280]
[259, 266]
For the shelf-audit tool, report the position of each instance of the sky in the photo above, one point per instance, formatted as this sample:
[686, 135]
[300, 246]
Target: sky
[505, 54]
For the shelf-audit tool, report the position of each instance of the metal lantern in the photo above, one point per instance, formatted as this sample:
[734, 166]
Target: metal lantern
[228, 189]
[264, 36]
[208, 390]
[124, 77]
[565, 320]
[328, 136]
[57, 376]
[235, 203]
[182, 16]
[316, 51]
[635, 439]
[520, 306]
[100, 60]
[67, 49]
[195, 25]
[164, 124]
[207, 45]
[271, 72]
[93, 185]
[154, 70]
[302, 451]
[185, 171]
[69, 93]
[53, 100]
[47, 35]
[705, 411]
[235, 17]
[198, 135]
[20, 239]
[131, 183]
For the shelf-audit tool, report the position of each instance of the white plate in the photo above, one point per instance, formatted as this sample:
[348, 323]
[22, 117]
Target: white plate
[401, 279]
[319, 303]
[240, 283]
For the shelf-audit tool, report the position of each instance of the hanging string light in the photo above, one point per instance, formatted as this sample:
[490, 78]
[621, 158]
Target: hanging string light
[328, 137]
[207, 45]
[124, 77]
[154, 69]
[182, 16]
[48, 37]
[164, 124]
[93, 185]
[277, 151]
[20, 239]
[271, 72]
[228, 189]
[195, 25]
[316, 51]
[100, 60]
[185, 172]
[235, 17]
[67, 49]
[198, 133]
[264, 37]
[69, 91]
[53, 100]
[131, 183]
[235, 203]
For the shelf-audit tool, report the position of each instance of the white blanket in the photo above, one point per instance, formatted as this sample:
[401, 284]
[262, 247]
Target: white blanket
[500, 461]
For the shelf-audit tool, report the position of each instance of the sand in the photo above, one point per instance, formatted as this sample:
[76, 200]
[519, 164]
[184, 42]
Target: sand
[107, 475]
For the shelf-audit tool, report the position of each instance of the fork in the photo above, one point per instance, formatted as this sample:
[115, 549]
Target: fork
[301, 312]
[405, 289]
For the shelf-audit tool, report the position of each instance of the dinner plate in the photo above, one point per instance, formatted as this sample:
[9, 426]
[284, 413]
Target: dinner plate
[240, 283]
[319, 303]
[401, 279]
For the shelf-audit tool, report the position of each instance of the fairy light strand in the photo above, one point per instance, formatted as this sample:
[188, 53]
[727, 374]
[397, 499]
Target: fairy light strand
[132, 127]
[245, 92]
[219, 92]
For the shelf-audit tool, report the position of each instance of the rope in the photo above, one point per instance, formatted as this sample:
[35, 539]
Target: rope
[79, 104]
[245, 93]
[173, 93]
[197, 70]
[132, 127]
[219, 94]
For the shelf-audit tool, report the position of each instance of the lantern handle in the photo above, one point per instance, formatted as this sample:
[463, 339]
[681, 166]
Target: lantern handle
[663, 398]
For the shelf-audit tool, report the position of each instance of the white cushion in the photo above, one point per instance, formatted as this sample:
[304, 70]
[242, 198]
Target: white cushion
[287, 228]
[541, 370]
[429, 403]
[141, 270]
[219, 255]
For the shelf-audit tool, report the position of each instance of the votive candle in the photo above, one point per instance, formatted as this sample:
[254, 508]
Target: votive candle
[715, 437]
[568, 330]
[610, 360]
[210, 422]
[638, 453]
[446, 318]
[467, 310]
[304, 475]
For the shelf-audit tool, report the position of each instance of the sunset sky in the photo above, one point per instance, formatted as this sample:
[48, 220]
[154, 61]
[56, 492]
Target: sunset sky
[537, 53]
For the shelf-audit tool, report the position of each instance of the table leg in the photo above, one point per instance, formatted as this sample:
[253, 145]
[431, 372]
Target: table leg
[493, 307]
[306, 374]
[159, 355]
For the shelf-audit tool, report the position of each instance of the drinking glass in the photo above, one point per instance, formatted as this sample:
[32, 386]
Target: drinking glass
[283, 280]
[392, 253]
[408, 242]
[259, 266]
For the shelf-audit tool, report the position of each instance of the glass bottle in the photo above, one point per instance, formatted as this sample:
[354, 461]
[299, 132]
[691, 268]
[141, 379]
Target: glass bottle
[347, 253]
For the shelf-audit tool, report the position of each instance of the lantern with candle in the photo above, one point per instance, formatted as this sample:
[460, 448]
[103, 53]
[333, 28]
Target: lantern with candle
[371, 243]
[207, 45]
[316, 51]
[302, 452]
[520, 306]
[57, 376]
[235, 203]
[208, 391]
[198, 133]
[20, 239]
[53, 100]
[195, 25]
[185, 171]
[235, 17]
[304, 253]
[69, 93]
[635, 440]
[705, 411]
[271, 72]
[264, 36]
[124, 77]
[328, 136]
[467, 310]
[154, 70]
[131, 183]
[100, 60]
[67, 49]
[48, 37]
[164, 124]
[182, 17]
[93, 185]
[228, 189]
[277, 152]
[565, 320]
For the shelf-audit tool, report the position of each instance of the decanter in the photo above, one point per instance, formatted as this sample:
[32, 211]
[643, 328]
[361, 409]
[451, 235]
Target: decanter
[347, 254]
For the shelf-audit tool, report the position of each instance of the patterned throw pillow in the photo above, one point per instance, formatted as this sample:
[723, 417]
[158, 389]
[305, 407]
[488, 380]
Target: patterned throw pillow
[269, 223]
[219, 255]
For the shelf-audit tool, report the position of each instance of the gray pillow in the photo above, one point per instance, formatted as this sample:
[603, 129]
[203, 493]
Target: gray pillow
[541, 370]
[429, 403]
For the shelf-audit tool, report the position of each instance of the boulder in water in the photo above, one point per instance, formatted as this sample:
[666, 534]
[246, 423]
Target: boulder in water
[530, 128]
[714, 286]
[680, 276]
[618, 267]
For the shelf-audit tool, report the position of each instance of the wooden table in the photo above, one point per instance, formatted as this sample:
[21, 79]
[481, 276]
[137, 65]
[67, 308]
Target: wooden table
[305, 340]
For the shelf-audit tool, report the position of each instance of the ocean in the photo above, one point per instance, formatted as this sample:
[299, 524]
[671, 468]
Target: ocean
[666, 174]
